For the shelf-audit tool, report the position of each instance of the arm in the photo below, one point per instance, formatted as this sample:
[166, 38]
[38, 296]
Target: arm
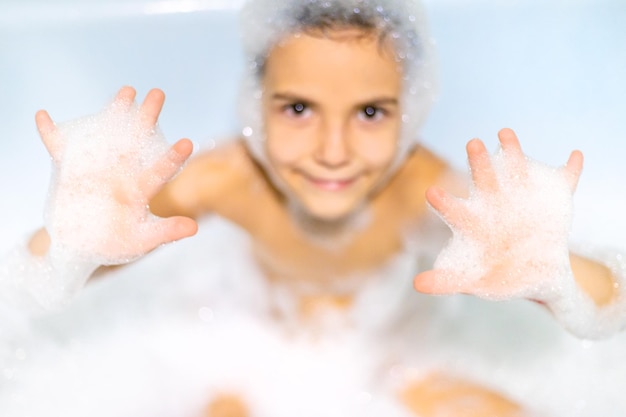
[510, 240]
[595, 279]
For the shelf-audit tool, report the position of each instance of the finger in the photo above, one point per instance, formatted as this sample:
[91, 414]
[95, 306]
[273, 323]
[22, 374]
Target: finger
[513, 151]
[574, 168]
[165, 168]
[436, 282]
[509, 141]
[481, 168]
[126, 95]
[169, 230]
[152, 106]
[48, 132]
[450, 208]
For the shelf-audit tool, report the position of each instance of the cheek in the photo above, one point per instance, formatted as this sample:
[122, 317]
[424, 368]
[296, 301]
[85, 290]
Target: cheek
[378, 151]
[284, 147]
[284, 144]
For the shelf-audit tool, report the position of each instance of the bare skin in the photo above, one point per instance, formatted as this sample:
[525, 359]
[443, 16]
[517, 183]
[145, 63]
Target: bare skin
[437, 395]
[368, 249]
[334, 164]
[227, 405]
[441, 395]
[366, 252]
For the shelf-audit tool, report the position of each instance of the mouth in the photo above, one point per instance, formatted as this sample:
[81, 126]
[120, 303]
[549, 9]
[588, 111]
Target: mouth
[332, 185]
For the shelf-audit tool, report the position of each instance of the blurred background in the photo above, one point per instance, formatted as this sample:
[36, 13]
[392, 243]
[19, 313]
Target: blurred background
[553, 70]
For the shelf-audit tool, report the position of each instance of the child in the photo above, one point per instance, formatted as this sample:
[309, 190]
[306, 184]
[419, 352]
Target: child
[331, 185]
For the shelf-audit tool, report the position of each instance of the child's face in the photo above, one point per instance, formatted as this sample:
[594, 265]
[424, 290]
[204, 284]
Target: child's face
[331, 108]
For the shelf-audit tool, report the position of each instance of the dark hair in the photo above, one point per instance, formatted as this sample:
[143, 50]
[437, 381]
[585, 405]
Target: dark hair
[325, 26]
[337, 20]
[322, 17]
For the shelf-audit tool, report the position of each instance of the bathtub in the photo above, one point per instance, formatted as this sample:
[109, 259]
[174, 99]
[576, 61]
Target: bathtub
[553, 71]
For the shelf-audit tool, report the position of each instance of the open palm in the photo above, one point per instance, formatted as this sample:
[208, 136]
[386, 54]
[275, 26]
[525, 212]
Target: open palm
[510, 236]
[106, 168]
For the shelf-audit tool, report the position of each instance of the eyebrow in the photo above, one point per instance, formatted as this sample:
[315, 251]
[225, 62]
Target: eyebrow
[380, 101]
[289, 97]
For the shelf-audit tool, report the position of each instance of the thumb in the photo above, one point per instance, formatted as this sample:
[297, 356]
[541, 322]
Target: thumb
[436, 282]
[48, 132]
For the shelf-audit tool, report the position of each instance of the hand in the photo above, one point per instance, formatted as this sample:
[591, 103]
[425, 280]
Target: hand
[106, 168]
[510, 236]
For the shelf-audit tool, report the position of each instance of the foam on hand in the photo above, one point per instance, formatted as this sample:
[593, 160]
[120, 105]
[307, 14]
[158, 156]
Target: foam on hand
[512, 242]
[105, 168]
[96, 207]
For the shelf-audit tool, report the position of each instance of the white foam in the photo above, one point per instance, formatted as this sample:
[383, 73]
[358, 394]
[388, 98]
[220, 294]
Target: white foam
[186, 332]
[104, 168]
[514, 243]
[524, 226]
[188, 340]
[579, 313]
[95, 207]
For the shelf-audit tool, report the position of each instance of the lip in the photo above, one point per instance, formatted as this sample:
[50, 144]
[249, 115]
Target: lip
[331, 184]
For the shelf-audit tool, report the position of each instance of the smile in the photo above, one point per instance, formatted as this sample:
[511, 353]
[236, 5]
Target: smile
[333, 185]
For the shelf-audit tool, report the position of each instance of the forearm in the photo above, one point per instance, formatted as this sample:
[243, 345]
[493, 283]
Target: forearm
[591, 303]
[39, 243]
[594, 279]
[38, 276]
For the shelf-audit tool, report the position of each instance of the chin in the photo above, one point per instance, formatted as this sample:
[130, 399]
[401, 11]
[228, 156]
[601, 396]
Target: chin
[331, 211]
[327, 216]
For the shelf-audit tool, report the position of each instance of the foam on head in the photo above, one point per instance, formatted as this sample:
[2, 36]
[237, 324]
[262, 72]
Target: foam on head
[266, 22]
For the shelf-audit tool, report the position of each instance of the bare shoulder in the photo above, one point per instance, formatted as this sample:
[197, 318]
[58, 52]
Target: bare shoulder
[420, 170]
[423, 163]
[209, 180]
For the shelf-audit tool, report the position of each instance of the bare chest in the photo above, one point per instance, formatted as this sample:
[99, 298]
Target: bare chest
[289, 251]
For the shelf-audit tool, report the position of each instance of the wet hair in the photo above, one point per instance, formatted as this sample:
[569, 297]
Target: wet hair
[266, 23]
[323, 25]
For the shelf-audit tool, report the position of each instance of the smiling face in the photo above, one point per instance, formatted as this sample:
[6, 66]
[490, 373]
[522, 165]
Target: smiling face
[331, 109]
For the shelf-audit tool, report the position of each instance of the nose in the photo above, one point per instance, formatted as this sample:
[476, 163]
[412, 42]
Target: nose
[333, 148]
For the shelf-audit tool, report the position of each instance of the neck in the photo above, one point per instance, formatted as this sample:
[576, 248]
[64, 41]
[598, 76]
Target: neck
[332, 234]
